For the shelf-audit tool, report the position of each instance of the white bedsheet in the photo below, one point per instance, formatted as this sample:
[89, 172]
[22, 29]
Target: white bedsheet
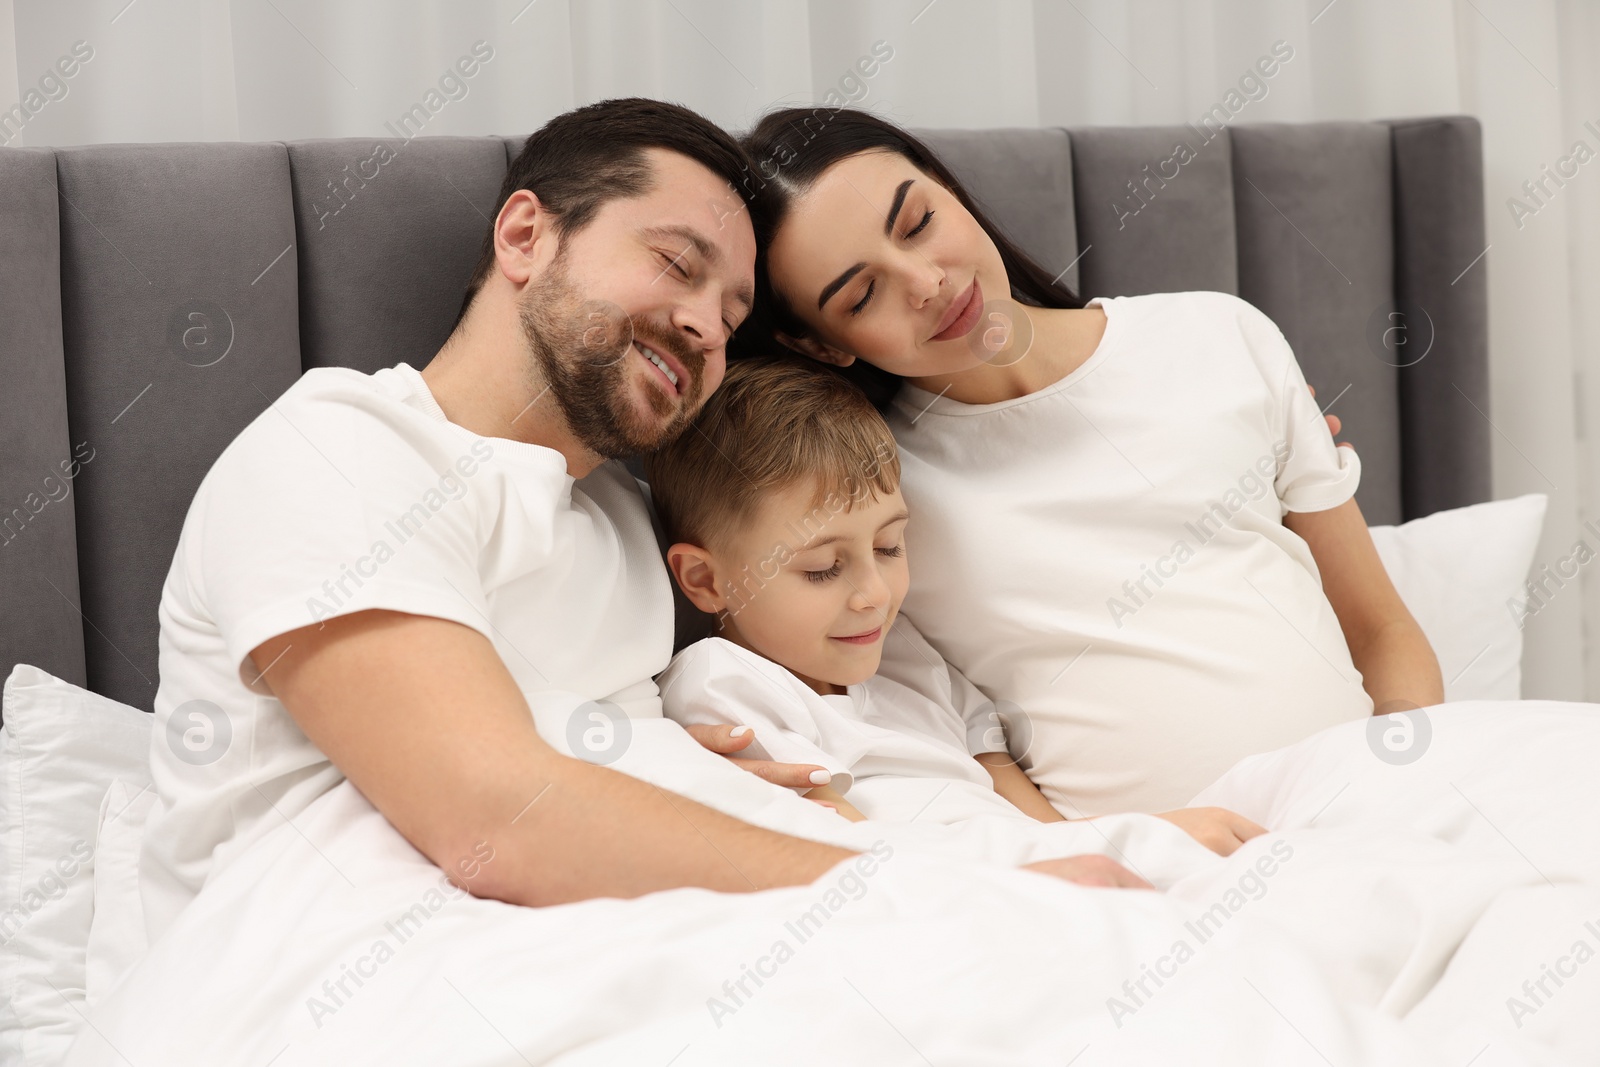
[1389, 918]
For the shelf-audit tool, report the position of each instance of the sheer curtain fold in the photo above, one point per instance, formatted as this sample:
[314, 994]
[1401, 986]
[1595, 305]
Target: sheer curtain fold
[180, 70]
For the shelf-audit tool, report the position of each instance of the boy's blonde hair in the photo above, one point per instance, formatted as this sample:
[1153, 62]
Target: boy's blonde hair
[772, 424]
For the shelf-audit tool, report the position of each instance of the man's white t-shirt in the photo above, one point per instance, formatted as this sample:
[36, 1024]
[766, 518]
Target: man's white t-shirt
[900, 744]
[354, 492]
[1108, 554]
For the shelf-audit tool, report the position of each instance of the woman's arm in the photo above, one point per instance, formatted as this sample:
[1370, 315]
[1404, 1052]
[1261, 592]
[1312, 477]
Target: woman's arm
[1218, 829]
[1386, 644]
[1013, 783]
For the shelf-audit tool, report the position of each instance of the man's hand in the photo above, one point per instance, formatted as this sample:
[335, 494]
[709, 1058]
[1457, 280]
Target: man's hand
[724, 741]
[1218, 829]
[1334, 425]
[1098, 871]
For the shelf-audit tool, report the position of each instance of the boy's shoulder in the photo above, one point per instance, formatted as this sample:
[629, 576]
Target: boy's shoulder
[713, 658]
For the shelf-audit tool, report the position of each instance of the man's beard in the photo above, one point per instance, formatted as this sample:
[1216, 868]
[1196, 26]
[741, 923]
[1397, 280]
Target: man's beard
[581, 350]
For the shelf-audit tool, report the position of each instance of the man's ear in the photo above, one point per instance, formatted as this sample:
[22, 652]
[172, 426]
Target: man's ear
[810, 347]
[524, 237]
[696, 573]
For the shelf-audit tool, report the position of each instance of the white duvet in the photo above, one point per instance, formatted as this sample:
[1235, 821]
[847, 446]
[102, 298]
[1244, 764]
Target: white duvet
[1445, 912]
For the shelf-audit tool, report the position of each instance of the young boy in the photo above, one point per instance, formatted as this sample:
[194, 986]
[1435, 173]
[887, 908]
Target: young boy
[783, 509]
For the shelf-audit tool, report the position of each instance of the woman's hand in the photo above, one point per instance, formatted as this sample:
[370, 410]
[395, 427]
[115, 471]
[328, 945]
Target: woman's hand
[1099, 871]
[726, 740]
[1218, 829]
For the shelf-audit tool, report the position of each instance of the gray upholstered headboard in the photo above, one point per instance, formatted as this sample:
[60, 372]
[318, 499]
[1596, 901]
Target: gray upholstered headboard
[156, 298]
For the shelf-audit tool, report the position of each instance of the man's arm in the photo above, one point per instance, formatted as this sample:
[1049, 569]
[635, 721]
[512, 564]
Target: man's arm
[1386, 644]
[423, 717]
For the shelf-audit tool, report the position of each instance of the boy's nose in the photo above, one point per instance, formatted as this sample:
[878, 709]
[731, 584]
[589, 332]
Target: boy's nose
[870, 592]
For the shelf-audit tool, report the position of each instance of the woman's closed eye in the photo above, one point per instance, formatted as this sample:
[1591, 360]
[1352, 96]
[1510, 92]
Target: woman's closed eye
[860, 305]
[927, 217]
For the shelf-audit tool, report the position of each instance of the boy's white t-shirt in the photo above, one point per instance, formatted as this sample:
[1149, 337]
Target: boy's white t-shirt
[1108, 554]
[353, 491]
[899, 744]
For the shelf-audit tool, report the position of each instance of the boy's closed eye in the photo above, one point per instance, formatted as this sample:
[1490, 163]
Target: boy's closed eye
[890, 552]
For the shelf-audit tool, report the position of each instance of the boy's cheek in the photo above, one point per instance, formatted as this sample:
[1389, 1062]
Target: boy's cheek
[877, 662]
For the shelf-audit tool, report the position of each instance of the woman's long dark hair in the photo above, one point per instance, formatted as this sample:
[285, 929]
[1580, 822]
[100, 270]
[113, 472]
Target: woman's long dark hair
[789, 150]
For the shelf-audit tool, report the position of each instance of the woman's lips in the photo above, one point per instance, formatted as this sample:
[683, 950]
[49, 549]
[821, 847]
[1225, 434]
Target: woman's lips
[862, 639]
[970, 304]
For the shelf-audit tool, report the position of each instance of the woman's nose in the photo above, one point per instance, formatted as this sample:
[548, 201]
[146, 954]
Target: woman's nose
[924, 281]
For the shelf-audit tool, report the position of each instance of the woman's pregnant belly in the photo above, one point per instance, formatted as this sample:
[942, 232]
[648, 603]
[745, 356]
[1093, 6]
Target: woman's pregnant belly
[1135, 698]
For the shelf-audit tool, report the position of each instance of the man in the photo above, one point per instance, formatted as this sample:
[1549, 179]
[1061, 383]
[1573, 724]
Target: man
[394, 577]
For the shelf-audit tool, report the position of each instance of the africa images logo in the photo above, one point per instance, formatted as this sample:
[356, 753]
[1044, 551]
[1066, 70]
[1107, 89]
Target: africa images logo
[199, 732]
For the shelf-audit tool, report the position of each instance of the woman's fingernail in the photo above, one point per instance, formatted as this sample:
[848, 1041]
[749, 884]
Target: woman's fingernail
[820, 777]
[740, 731]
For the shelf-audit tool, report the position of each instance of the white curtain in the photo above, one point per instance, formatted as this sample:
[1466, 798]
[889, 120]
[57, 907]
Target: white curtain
[185, 70]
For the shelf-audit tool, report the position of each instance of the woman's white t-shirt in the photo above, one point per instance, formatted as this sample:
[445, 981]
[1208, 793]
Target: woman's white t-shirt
[1108, 554]
[354, 491]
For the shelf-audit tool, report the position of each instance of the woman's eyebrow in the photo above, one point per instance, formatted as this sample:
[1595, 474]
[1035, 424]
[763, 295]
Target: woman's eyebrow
[888, 227]
[838, 283]
[894, 208]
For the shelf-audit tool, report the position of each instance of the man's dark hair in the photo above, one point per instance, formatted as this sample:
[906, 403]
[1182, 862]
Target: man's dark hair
[578, 161]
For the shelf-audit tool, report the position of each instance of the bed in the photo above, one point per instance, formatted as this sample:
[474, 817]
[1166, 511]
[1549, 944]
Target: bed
[1407, 909]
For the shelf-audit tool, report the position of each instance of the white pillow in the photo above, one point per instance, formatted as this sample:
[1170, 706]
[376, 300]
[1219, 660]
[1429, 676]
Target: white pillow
[60, 749]
[116, 932]
[1461, 572]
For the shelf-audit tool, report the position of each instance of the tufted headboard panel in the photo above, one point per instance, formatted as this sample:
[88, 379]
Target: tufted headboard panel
[156, 298]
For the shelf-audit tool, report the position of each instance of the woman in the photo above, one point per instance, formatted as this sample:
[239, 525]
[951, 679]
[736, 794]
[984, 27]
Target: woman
[1131, 525]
